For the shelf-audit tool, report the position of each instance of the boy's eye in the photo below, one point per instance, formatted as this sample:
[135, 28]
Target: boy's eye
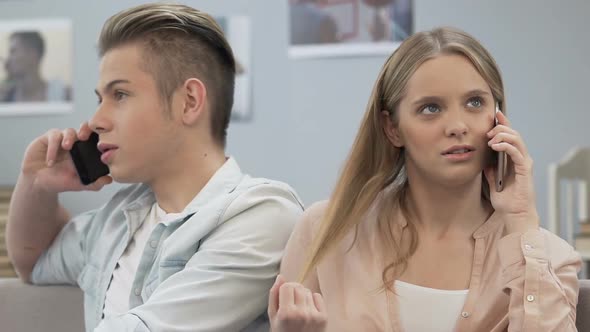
[120, 95]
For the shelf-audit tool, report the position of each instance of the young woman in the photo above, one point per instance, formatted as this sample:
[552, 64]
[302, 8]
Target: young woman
[413, 237]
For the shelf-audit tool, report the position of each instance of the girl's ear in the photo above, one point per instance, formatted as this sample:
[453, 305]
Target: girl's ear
[391, 130]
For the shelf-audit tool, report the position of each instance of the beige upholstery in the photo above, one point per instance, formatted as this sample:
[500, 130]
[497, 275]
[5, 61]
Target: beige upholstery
[26, 308]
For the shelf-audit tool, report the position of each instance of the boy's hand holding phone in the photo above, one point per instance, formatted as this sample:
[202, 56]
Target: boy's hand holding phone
[49, 162]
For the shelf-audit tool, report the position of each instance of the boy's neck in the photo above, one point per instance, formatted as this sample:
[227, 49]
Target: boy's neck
[177, 188]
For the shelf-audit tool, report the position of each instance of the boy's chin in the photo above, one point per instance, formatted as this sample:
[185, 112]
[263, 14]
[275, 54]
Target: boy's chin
[125, 177]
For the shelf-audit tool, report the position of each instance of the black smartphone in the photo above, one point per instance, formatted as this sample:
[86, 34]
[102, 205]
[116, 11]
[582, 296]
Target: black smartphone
[500, 160]
[86, 157]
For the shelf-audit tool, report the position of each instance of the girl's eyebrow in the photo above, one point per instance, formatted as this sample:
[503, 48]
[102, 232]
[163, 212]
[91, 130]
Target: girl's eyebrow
[438, 99]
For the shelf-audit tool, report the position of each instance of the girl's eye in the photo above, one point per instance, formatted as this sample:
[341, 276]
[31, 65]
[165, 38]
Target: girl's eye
[430, 109]
[475, 102]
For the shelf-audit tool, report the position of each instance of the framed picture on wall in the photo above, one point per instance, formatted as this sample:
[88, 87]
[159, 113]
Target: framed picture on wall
[333, 28]
[237, 32]
[35, 67]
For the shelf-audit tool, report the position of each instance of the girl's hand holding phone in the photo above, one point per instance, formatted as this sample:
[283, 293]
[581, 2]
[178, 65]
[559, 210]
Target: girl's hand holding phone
[516, 202]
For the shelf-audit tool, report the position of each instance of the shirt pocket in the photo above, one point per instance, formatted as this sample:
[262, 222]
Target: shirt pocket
[89, 280]
[165, 270]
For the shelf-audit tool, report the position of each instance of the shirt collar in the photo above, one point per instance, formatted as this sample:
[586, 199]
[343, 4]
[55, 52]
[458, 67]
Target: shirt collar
[223, 181]
[490, 225]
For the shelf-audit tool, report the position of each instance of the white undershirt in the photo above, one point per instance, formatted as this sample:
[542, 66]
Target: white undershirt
[118, 293]
[427, 309]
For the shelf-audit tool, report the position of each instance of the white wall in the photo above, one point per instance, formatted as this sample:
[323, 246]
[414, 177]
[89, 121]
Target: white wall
[306, 112]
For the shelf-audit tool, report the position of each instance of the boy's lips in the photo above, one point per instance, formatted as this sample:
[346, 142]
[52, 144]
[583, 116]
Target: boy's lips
[106, 156]
[107, 151]
[104, 147]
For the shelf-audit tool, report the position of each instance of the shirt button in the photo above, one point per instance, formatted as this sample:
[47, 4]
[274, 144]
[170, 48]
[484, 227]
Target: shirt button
[137, 291]
[528, 247]
[464, 314]
[530, 298]
[154, 244]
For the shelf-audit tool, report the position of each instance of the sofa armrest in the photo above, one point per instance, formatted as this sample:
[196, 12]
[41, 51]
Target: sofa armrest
[27, 308]
[583, 309]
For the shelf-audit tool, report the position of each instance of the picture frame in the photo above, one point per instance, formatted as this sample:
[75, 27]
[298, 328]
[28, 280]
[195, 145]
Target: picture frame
[348, 28]
[36, 60]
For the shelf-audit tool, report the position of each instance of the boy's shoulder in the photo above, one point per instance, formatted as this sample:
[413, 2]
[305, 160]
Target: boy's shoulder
[254, 192]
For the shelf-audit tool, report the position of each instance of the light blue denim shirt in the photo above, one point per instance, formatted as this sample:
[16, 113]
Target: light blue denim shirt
[210, 270]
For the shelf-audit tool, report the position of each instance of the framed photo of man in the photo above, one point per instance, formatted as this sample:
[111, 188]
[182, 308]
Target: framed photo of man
[35, 67]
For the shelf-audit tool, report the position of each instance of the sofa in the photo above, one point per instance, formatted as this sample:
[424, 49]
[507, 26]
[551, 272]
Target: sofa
[26, 308]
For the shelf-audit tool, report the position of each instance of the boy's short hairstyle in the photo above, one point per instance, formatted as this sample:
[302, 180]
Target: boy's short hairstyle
[179, 42]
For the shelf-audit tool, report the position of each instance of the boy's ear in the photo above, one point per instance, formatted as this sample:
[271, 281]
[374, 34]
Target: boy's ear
[194, 94]
[391, 130]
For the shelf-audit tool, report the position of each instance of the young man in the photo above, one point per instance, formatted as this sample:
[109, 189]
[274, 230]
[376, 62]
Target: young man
[194, 244]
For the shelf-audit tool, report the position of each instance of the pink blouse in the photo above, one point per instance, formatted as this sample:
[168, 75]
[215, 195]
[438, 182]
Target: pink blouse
[519, 282]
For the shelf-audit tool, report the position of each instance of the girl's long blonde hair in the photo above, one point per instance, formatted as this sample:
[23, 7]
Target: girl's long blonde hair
[374, 164]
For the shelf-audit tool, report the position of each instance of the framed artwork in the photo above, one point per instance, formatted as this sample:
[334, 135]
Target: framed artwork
[336, 28]
[237, 32]
[35, 67]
